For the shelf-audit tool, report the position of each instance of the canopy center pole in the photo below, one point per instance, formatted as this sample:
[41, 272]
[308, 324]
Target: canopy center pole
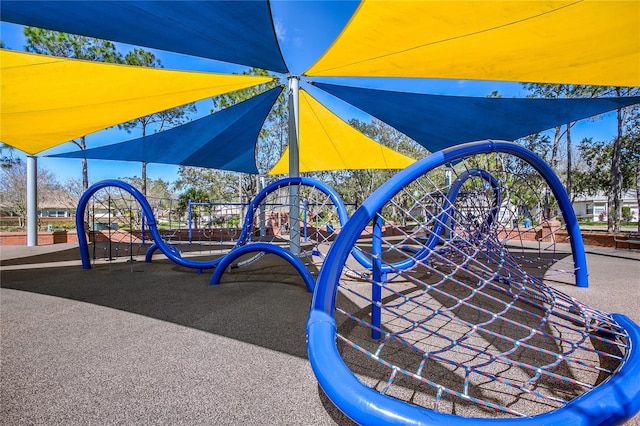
[294, 164]
[32, 201]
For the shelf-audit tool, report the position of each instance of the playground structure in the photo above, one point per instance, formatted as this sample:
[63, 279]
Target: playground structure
[121, 216]
[433, 302]
[455, 320]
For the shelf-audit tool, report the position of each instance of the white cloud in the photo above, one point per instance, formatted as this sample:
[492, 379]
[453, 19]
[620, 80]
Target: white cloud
[281, 31]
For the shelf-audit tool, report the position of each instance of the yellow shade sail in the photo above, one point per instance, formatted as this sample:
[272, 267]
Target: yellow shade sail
[594, 42]
[328, 143]
[46, 101]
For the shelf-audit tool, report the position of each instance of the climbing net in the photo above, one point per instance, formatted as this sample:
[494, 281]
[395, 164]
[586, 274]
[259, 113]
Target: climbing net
[299, 213]
[457, 313]
[114, 222]
[123, 224]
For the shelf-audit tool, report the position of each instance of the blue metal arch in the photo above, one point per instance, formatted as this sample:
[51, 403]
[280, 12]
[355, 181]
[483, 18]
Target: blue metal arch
[445, 214]
[227, 261]
[365, 405]
[247, 227]
[160, 244]
[174, 255]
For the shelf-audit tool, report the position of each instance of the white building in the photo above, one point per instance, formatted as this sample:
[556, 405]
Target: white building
[593, 208]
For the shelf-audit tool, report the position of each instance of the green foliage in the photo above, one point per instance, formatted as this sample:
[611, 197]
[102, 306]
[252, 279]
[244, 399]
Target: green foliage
[595, 174]
[6, 157]
[156, 189]
[224, 186]
[47, 42]
[191, 194]
[219, 185]
[538, 143]
[229, 99]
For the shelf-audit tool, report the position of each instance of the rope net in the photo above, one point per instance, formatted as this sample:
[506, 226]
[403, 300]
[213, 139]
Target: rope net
[319, 214]
[457, 312]
[114, 220]
[124, 223]
[119, 228]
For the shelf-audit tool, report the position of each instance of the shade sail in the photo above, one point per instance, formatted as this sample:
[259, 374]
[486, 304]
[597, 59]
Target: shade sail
[326, 142]
[438, 121]
[590, 42]
[49, 100]
[240, 32]
[225, 140]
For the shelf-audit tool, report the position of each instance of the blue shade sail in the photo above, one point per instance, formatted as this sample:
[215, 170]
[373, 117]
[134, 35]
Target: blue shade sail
[225, 140]
[439, 121]
[240, 32]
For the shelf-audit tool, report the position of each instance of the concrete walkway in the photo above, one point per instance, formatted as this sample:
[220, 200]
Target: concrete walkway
[138, 343]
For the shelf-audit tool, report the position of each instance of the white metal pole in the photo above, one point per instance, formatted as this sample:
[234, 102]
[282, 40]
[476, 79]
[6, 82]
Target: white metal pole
[32, 201]
[294, 164]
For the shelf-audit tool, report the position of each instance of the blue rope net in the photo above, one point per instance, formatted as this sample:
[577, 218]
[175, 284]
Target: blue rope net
[459, 311]
[120, 228]
[124, 223]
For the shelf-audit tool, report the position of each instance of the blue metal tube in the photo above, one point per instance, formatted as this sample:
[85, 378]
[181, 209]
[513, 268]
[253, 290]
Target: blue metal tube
[267, 248]
[147, 212]
[189, 220]
[325, 294]
[366, 406]
[378, 277]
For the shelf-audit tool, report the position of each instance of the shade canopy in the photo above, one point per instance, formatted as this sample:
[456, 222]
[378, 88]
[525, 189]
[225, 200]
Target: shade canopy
[590, 42]
[50, 100]
[326, 142]
[225, 140]
[439, 121]
[240, 32]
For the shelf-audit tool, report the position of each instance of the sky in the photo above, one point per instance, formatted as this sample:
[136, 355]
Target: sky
[305, 29]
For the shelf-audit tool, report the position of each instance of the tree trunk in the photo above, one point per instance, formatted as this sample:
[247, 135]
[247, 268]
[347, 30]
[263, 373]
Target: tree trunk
[144, 178]
[144, 164]
[613, 198]
[85, 169]
[554, 150]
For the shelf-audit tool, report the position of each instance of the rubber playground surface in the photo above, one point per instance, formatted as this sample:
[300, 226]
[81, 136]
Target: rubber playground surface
[137, 343]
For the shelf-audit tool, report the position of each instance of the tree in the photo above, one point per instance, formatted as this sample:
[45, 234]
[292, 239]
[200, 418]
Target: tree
[157, 188]
[538, 90]
[219, 185]
[13, 188]
[595, 175]
[193, 195]
[615, 190]
[161, 120]
[633, 137]
[6, 156]
[538, 143]
[47, 42]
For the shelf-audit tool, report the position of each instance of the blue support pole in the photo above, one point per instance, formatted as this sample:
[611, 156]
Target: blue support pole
[304, 218]
[189, 219]
[378, 277]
